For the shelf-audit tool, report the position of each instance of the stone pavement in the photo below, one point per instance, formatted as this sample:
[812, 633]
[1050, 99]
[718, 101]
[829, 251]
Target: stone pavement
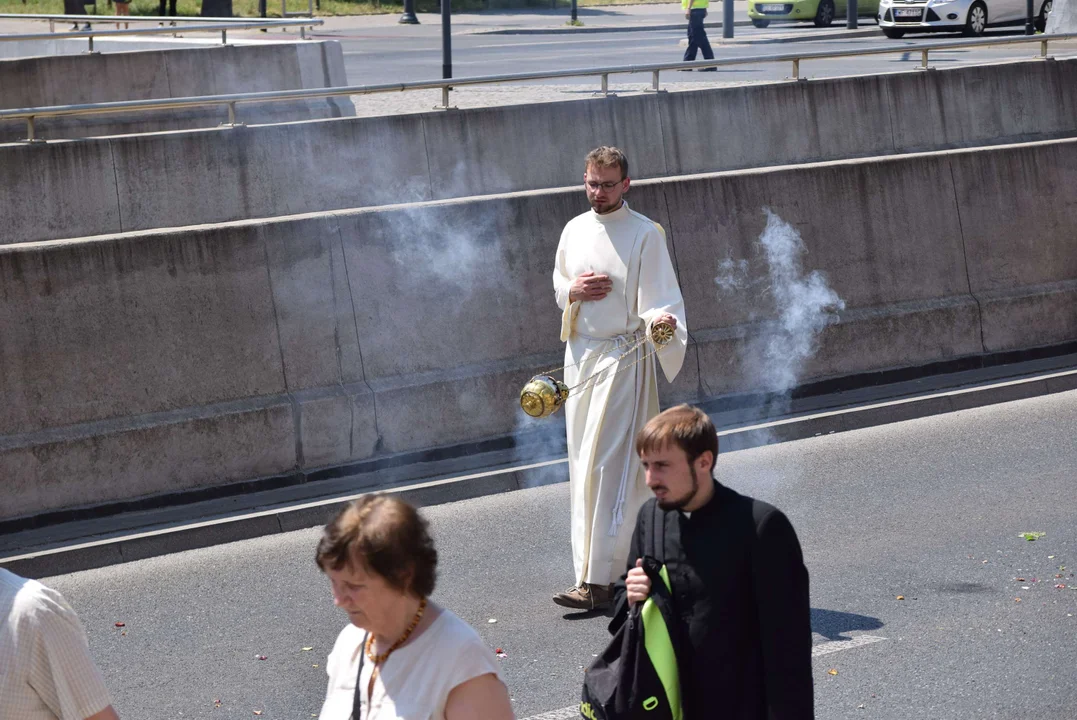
[911, 532]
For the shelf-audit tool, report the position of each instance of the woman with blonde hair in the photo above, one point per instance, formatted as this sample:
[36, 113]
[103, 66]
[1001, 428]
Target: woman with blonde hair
[401, 656]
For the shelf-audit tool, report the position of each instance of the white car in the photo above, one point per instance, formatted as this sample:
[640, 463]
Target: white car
[972, 17]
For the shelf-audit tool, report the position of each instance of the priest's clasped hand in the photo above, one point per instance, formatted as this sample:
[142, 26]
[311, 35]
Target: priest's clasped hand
[590, 287]
[637, 584]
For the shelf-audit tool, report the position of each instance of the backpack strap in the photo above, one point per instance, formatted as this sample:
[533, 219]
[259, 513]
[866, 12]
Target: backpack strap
[357, 699]
[658, 535]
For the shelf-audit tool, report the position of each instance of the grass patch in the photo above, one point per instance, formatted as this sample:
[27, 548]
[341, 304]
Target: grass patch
[324, 8]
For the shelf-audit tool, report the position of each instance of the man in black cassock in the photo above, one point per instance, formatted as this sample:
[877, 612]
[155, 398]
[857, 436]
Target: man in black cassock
[737, 576]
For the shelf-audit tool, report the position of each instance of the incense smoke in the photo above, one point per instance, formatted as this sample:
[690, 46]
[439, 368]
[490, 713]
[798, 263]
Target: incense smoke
[432, 250]
[803, 302]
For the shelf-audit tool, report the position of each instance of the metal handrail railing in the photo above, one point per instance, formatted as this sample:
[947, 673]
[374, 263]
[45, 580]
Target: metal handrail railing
[54, 18]
[221, 27]
[231, 101]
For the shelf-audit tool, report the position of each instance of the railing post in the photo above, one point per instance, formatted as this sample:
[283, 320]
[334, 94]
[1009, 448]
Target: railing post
[796, 68]
[52, 26]
[91, 43]
[654, 81]
[232, 113]
[605, 84]
[302, 32]
[445, 97]
[224, 37]
[1043, 48]
[30, 129]
[923, 60]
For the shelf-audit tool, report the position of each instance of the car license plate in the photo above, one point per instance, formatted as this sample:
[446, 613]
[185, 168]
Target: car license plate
[772, 8]
[907, 13]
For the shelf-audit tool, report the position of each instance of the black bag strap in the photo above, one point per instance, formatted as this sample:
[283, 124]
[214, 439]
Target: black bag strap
[357, 700]
[658, 532]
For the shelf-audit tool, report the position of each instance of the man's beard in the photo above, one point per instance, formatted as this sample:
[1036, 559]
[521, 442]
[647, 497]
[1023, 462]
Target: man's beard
[681, 502]
[602, 209]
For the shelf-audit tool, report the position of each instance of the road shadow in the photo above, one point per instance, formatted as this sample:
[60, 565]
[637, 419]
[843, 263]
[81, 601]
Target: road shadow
[832, 624]
[586, 614]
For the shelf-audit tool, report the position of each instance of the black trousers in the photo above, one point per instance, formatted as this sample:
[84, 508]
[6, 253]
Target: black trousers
[697, 36]
[172, 7]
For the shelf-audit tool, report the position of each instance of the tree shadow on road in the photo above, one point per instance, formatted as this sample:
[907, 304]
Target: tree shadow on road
[832, 624]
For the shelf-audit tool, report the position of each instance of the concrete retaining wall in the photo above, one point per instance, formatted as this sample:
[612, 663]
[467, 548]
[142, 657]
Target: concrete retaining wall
[131, 183]
[171, 73]
[159, 361]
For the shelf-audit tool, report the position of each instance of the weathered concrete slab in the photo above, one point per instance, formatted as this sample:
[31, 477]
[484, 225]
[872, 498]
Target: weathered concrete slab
[1018, 218]
[364, 333]
[130, 325]
[171, 73]
[271, 171]
[480, 152]
[90, 465]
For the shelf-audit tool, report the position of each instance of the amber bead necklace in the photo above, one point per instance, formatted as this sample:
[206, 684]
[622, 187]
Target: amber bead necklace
[379, 660]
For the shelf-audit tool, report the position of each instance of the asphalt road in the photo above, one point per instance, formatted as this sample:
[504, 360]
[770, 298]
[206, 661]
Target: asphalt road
[930, 510]
[401, 54]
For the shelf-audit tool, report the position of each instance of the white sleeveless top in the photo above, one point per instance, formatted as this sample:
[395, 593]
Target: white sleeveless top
[415, 682]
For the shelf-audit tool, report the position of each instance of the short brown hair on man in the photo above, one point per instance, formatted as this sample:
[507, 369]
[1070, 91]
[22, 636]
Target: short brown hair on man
[385, 535]
[684, 426]
[608, 156]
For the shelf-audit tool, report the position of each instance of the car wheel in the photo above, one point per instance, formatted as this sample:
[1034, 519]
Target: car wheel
[893, 33]
[763, 23]
[1045, 10]
[824, 16]
[976, 22]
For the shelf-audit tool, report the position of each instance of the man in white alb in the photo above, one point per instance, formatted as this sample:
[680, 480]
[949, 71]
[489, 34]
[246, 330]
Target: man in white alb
[613, 279]
[45, 668]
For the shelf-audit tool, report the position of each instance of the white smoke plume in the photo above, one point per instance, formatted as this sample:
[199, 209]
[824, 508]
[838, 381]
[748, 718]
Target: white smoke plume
[447, 254]
[803, 302]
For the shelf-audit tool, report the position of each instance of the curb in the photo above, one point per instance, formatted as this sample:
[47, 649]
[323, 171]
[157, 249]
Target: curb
[816, 37]
[558, 30]
[737, 431]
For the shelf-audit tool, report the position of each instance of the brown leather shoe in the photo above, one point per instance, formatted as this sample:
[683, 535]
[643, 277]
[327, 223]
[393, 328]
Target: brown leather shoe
[585, 597]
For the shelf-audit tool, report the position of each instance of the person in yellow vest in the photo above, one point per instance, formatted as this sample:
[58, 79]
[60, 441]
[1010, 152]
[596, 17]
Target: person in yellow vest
[695, 11]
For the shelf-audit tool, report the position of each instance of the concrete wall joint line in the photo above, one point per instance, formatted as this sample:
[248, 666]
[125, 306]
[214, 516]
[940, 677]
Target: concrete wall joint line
[297, 415]
[965, 255]
[359, 347]
[890, 116]
[676, 261]
[168, 75]
[426, 154]
[116, 183]
[662, 134]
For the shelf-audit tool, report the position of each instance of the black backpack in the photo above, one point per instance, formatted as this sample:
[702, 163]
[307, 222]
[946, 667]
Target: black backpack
[636, 677]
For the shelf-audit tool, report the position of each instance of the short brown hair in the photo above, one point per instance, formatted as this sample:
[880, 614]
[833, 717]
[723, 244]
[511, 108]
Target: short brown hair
[384, 535]
[608, 156]
[685, 426]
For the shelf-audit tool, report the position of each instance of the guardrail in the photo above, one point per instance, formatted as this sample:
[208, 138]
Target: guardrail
[222, 27]
[29, 115]
[55, 18]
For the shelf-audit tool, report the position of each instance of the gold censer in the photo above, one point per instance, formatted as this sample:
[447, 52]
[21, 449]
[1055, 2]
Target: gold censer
[543, 395]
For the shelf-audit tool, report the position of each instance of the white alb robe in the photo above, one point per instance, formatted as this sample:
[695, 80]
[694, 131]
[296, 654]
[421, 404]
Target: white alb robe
[607, 483]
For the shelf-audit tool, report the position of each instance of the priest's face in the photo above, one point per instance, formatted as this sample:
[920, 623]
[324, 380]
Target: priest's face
[678, 484]
[605, 188]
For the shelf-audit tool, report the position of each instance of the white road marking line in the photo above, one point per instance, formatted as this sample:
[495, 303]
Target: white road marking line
[560, 461]
[838, 645]
[826, 648]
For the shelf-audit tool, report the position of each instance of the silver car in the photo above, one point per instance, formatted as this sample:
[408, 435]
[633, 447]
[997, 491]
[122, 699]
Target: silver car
[972, 17]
